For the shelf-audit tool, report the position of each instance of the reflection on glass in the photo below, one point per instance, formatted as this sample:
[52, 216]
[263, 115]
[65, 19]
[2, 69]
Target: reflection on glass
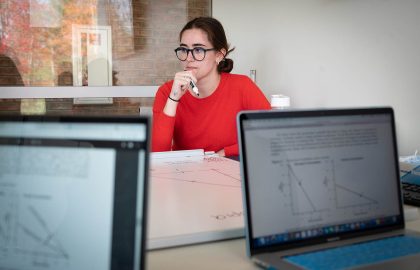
[93, 42]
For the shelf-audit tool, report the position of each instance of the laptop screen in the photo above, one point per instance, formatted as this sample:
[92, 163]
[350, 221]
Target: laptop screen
[318, 174]
[72, 192]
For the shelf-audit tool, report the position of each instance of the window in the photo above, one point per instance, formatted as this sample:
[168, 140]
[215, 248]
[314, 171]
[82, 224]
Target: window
[51, 43]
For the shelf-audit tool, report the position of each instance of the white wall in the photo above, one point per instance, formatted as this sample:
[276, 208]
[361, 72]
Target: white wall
[332, 53]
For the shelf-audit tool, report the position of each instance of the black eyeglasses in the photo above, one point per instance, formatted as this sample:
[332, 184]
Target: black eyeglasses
[198, 53]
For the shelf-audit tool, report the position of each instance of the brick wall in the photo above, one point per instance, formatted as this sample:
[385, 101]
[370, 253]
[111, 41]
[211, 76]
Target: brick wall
[9, 74]
[142, 48]
[65, 106]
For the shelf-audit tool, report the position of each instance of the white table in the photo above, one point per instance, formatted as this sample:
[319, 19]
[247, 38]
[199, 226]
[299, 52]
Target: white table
[229, 254]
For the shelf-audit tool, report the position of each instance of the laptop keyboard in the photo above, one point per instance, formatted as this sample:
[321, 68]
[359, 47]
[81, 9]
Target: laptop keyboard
[358, 254]
[410, 178]
[411, 194]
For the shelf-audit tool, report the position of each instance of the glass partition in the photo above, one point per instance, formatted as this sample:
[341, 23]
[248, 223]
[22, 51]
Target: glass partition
[91, 42]
[50, 43]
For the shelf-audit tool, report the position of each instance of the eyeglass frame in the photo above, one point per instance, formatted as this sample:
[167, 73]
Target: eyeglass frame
[192, 52]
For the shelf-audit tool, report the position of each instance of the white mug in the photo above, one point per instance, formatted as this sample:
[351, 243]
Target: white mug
[280, 102]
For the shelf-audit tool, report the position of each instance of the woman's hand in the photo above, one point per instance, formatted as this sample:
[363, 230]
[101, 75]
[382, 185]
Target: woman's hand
[179, 88]
[221, 153]
[181, 84]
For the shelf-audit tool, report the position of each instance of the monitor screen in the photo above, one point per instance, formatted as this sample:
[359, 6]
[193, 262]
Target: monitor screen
[72, 192]
[320, 176]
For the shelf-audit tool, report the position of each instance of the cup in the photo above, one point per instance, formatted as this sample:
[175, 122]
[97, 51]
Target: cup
[280, 102]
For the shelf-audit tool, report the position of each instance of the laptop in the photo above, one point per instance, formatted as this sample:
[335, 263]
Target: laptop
[321, 190]
[73, 192]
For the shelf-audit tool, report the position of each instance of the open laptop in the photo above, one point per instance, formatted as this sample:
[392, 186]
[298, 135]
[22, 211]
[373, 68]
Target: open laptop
[322, 186]
[73, 192]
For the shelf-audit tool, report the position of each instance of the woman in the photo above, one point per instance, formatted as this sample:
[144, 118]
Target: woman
[185, 117]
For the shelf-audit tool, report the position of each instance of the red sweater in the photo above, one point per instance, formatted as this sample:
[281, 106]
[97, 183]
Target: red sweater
[208, 123]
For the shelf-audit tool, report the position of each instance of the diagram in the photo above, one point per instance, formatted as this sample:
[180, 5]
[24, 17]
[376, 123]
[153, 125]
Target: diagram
[202, 190]
[212, 171]
[347, 198]
[310, 187]
[26, 233]
[7, 210]
[37, 238]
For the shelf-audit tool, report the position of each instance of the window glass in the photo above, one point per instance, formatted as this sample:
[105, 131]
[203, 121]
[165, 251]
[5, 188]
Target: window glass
[92, 42]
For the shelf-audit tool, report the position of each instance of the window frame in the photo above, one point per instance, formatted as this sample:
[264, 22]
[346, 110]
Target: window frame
[77, 91]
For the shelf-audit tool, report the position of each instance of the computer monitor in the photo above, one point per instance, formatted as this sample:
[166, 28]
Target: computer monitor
[73, 192]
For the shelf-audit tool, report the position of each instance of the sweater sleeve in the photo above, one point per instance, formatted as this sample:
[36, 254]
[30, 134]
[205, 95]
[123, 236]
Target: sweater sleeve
[163, 125]
[254, 98]
[232, 150]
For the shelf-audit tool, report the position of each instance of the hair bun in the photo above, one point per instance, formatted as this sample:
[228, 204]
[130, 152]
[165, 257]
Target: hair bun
[226, 65]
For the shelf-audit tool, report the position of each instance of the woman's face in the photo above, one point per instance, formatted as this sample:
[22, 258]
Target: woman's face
[194, 38]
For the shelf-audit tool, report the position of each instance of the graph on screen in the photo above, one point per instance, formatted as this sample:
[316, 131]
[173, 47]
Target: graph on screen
[309, 188]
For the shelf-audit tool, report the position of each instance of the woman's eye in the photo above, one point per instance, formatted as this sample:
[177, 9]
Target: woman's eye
[198, 50]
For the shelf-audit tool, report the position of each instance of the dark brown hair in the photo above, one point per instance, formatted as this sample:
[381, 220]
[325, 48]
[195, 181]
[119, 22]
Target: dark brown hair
[217, 37]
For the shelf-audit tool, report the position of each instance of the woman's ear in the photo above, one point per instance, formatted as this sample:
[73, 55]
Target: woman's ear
[220, 55]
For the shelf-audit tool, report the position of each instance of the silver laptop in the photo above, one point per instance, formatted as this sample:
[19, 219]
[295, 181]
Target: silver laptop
[322, 191]
[73, 192]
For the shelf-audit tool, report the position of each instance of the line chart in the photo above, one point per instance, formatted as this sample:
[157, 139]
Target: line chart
[310, 187]
[39, 239]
